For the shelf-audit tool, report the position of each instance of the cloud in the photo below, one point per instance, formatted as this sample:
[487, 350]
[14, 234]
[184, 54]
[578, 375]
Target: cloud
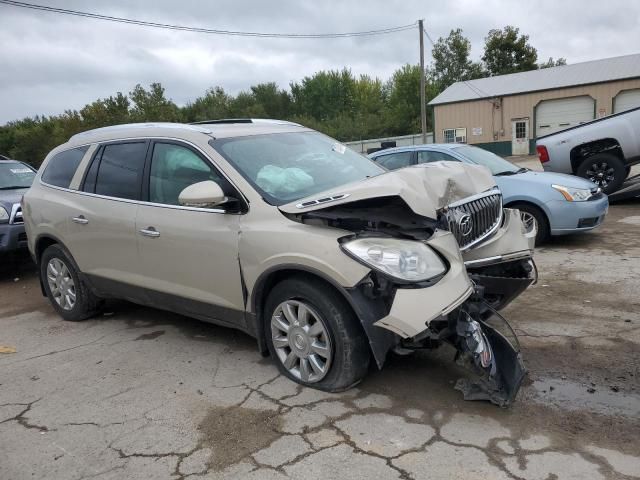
[49, 62]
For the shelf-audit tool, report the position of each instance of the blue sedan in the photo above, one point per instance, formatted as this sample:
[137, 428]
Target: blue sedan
[559, 204]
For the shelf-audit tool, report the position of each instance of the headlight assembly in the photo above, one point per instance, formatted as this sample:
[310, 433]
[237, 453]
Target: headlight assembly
[573, 194]
[4, 215]
[405, 260]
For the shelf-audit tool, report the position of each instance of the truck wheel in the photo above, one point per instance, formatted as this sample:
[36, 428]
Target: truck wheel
[605, 170]
[530, 213]
[69, 296]
[314, 336]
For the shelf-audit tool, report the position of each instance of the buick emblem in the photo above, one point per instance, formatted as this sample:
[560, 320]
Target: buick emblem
[465, 224]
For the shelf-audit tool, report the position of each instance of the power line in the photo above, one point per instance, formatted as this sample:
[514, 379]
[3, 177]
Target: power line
[211, 31]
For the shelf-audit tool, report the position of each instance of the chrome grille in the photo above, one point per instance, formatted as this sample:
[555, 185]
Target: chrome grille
[473, 219]
[16, 214]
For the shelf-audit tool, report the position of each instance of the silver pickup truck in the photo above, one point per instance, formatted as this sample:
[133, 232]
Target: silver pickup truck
[602, 151]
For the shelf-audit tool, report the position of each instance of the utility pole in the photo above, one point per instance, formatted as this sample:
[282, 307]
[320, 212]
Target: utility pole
[423, 100]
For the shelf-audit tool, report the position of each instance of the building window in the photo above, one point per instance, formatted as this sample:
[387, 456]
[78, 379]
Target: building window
[455, 135]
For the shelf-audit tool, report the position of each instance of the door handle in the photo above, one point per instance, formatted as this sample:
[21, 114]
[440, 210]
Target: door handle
[80, 219]
[150, 232]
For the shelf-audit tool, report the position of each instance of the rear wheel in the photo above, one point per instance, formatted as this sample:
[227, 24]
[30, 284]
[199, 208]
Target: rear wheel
[530, 215]
[314, 336]
[605, 170]
[69, 296]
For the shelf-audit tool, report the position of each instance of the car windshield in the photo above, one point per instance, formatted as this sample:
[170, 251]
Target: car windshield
[497, 165]
[14, 175]
[284, 167]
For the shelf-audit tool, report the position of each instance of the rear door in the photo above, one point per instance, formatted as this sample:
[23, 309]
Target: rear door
[189, 255]
[102, 235]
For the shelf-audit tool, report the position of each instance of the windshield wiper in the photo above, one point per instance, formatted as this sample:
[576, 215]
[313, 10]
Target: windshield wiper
[511, 172]
[13, 187]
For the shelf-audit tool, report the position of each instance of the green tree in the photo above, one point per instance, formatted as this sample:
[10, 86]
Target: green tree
[275, 103]
[324, 95]
[452, 62]
[403, 90]
[152, 106]
[213, 105]
[108, 111]
[553, 63]
[506, 51]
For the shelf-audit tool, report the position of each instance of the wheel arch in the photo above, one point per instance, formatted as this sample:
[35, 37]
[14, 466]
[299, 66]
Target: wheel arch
[580, 153]
[43, 242]
[538, 206]
[271, 277]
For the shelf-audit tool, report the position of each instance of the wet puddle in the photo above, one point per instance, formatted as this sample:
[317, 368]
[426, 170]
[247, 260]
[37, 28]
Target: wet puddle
[577, 396]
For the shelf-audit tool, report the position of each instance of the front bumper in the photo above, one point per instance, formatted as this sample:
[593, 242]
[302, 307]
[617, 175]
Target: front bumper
[12, 237]
[414, 308]
[573, 217]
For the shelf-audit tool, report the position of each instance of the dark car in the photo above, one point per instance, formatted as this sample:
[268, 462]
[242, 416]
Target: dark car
[15, 178]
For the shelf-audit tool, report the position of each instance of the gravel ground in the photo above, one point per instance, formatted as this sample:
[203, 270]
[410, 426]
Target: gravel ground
[142, 393]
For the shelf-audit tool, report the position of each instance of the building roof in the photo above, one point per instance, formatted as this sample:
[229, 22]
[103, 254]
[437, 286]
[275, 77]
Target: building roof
[595, 71]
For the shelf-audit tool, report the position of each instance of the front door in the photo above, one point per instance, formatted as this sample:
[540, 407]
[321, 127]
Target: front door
[520, 136]
[188, 255]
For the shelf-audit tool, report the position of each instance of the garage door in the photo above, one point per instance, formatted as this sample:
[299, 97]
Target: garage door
[626, 100]
[562, 113]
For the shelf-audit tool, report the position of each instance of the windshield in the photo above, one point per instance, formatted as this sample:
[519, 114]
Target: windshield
[284, 167]
[493, 162]
[15, 175]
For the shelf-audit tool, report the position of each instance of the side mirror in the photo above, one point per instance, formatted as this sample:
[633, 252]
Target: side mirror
[205, 194]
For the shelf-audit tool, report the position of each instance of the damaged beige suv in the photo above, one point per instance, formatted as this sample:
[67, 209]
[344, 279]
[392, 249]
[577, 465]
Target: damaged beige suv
[266, 226]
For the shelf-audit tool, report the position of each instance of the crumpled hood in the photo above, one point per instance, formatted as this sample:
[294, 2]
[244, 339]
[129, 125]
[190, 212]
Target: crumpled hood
[426, 188]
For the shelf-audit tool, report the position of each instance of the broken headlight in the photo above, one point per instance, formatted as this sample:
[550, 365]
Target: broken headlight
[405, 260]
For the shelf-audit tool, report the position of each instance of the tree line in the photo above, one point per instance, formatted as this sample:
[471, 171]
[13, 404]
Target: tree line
[335, 102]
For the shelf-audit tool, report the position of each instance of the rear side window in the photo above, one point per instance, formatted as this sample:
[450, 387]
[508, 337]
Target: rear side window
[427, 156]
[119, 173]
[62, 167]
[393, 161]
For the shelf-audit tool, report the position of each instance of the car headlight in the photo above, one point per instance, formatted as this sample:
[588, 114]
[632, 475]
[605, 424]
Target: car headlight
[4, 215]
[573, 194]
[405, 260]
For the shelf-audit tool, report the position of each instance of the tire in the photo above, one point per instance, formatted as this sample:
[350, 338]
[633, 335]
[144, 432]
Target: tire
[55, 260]
[348, 356]
[605, 170]
[540, 218]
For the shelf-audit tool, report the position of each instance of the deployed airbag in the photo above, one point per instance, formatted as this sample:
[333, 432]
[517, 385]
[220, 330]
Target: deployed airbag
[273, 179]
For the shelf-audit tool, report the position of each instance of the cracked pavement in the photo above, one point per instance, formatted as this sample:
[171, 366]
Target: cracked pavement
[140, 393]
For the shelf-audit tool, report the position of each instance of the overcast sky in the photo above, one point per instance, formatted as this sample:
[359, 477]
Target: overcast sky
[51, 62]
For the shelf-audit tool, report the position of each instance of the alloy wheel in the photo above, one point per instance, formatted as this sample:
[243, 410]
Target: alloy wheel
[528, 220]
[61, 284]
[301, 341]
[601, 174]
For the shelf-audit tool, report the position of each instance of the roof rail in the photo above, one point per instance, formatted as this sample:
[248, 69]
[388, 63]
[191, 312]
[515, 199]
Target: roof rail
[142, 126]
[227, 121]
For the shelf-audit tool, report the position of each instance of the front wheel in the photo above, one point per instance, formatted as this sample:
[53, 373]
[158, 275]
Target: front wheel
[314, 336]
[605, 170]
[69, 296]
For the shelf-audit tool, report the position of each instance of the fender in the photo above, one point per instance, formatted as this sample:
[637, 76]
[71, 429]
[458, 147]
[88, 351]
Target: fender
[368, 310]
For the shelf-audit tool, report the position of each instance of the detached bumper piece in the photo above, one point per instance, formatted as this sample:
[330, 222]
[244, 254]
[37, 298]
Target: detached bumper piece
[486, 343]
[503, 282]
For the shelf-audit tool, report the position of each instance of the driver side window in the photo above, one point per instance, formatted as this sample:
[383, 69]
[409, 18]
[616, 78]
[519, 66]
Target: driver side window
[174, 168]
